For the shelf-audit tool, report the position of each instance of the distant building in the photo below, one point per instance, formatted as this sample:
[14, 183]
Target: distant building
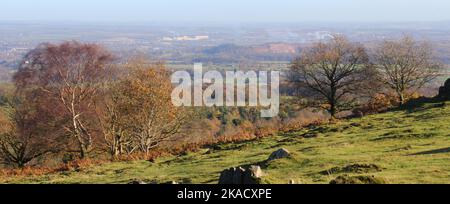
[187, 38]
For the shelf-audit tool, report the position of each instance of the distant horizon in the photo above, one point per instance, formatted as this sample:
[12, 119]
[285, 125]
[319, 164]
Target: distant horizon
[229, 12]
[171, 23]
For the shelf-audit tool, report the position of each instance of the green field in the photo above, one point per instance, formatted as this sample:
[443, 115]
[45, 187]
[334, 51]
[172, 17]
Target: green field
[406, 146]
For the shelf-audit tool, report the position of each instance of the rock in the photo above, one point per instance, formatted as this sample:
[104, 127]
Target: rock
[447, 84]
[357, 114]
[137, 182]
[186, 181]
[444, 91]
[292, 182]
[279, 154]
[172, 183]
[241, 175]
[256, 171]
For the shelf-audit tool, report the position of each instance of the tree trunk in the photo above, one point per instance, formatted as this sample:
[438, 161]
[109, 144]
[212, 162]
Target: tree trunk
[333, 100]
[333, 110]
[401, 98]
[83, 151]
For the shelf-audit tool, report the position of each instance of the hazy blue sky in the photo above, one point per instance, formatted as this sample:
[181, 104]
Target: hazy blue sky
[225, 10]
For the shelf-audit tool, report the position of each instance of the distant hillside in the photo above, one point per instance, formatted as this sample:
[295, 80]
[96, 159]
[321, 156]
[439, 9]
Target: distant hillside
[231, 53]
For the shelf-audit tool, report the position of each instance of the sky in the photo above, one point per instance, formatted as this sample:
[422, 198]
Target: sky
[225, 10]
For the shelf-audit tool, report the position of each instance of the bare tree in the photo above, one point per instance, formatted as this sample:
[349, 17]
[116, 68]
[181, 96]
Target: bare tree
[112, 116]
[405, 65]
[21, 138]
[332, 71]
[67, 76]
[150, 118]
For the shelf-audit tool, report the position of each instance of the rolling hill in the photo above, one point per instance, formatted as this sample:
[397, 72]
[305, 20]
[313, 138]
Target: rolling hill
[400, 146]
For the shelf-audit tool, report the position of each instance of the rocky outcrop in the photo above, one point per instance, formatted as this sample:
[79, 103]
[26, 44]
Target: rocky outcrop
[241, 175]
[279, 154]
[444, 91]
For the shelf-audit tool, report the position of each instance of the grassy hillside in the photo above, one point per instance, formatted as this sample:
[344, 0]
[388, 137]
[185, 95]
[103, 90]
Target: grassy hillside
[405, 146]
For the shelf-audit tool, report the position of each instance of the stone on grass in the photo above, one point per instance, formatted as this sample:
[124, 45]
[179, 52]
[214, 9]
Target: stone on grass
[241, 175]
[172, 183]
[137, 182]
[279, 154]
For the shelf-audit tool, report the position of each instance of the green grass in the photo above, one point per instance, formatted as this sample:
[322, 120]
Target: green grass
[409, 147]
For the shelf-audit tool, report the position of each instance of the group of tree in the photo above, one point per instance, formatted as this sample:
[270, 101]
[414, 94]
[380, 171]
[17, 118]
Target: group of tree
[77, 98]
[74, 98]
[338, 72]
